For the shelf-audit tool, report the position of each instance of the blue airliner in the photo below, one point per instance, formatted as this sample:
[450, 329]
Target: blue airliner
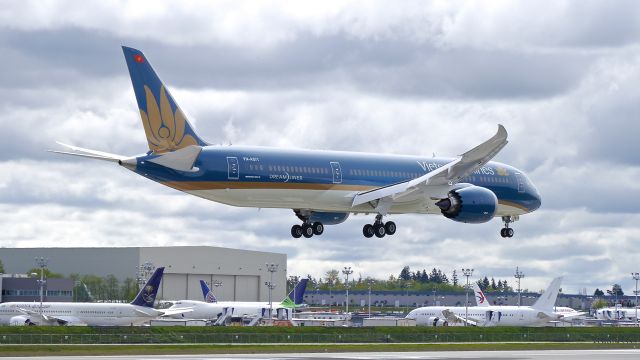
[321, 187]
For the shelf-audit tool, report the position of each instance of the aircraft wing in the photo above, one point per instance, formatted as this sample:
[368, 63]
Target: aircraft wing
[448, 174]
[175, 311]
[572, 316]
[43, 318]
[151, 313]
[452, 317]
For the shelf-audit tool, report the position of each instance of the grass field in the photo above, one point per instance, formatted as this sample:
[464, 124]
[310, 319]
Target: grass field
[63, 350]
[309, 335]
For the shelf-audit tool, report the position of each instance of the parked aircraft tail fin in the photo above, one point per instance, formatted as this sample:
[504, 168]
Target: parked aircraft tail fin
[296, 296]
[481, 300]
[147, 295]
[547, 300]
[207, 293]
[165, 125]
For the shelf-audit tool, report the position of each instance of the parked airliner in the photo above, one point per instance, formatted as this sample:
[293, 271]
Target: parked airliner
[321, 187]
[539, 314]
[564, 314]
[139, 311]
[211, 309]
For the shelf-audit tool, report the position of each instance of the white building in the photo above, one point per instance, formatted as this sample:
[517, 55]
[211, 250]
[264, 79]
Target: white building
[243, 273]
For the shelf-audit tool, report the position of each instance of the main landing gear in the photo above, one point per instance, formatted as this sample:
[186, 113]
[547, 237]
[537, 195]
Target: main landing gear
[506, 231]
[379, 228]
[307, 229]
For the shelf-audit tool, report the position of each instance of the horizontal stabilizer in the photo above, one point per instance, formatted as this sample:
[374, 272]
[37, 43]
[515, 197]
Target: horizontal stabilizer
[88, 153]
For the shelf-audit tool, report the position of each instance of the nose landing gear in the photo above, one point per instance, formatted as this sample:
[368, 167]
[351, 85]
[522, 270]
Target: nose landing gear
[379, 228]
[506, 231]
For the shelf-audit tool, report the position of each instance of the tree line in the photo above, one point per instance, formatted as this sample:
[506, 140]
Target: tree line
[407, 280]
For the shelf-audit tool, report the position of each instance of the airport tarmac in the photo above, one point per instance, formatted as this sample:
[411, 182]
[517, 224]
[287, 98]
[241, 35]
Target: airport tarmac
[507, 355]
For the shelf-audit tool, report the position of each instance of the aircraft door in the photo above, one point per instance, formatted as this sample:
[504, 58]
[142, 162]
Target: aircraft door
[520, 183]
[233, 169]
[337, 172]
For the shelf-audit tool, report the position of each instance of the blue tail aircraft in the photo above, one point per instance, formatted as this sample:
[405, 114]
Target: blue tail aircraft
[321, 187]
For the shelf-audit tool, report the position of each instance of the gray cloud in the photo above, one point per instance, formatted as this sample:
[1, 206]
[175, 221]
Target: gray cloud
[415, 80]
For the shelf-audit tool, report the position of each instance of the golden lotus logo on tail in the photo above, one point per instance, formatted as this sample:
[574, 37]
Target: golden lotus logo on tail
[165, 129]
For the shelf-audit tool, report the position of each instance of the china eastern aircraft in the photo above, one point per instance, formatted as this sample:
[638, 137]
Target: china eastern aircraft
[321, 187]
[561, 313]
[538, 314]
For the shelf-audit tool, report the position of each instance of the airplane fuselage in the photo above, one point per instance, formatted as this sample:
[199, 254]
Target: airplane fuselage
[483, 316]
[211, 311]
[328, 180]
[91, 314]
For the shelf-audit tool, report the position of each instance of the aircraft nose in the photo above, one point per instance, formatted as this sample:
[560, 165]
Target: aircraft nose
[537, 199]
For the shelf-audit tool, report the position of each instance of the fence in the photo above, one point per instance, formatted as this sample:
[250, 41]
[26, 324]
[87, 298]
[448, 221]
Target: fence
[310, 338]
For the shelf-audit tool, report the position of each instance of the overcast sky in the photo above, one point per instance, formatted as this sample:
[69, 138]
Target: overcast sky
[400, 77]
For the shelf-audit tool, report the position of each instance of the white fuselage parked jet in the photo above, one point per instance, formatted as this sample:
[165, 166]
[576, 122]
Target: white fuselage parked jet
[211, 309]
[139, 311]
[539, 314]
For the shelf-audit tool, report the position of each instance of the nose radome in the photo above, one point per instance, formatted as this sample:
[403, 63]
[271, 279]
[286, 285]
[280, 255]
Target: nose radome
[537, 200]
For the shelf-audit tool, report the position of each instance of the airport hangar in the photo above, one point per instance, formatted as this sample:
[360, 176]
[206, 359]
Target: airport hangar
[242, 272]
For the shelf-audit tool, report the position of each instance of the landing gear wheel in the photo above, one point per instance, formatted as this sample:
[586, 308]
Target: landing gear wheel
[318, 228]
[307, 230]
[390, 227]
[379, 230]
[503, 232]
[509, 232]
[296, 231]
[367, 230]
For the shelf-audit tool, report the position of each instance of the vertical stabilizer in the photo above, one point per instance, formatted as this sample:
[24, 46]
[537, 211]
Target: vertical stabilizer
[296, 296]
[147, 294]
[207, 293]
[166, 127]
[481, 300]
[547, 300]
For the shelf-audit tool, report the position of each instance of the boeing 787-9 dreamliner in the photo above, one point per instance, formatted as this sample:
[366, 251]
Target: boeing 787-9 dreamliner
[321, 187]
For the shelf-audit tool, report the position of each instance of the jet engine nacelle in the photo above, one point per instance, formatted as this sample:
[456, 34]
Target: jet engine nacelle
[20, 320]
[328, 218]
[471, 204]
[436, 321]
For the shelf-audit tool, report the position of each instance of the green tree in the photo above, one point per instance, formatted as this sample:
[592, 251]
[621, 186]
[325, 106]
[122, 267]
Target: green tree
[47, 273]
[598, 304]
[598, 292]
[405, 274]
[129, 289]
[1, 267]
[616, 289]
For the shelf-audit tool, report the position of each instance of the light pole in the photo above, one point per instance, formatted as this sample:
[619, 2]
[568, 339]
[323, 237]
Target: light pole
[435, 287]
[271, 268]
[41, 262]
[519, 275]
[347, 271]
[406, 296]
[636, 277]
[317, 288]
[370, 282]
[467, 273]
[330, 284]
